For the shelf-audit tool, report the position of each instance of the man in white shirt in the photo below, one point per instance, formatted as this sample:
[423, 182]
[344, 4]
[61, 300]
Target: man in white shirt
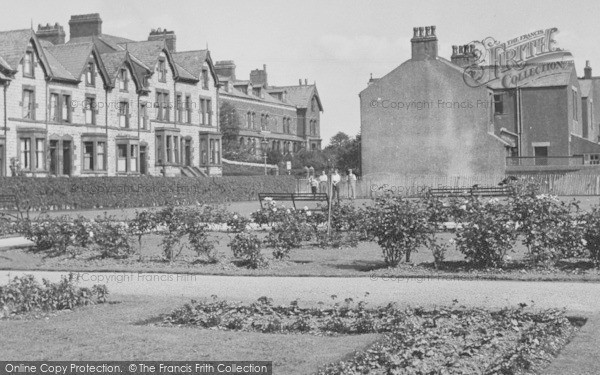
[351, 184]
[335, 181]
[323, 182]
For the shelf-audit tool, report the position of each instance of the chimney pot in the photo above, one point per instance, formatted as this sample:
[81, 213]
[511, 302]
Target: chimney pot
[461, 49]
[300, 81]
[421, 29]
[305, 82]
[587, 71]
[424, 43]
[427, 30]
[416, 32]
[433, 30]
[454, 50]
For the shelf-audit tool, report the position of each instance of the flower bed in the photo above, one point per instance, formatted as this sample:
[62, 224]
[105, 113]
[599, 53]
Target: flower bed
[24, 295]
[445, 340]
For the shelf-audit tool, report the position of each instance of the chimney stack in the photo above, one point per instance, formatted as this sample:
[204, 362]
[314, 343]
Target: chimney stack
[587, 71]
[300, 81]
[464, 55]
[85, 25]
[168, 36]
[424, 43]
[54, 34]
[226, 68]
[259, 77]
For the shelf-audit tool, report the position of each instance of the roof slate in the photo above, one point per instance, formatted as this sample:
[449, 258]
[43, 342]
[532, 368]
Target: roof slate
[13, 45]
[191, 61]
[147, 51]
[73, 57]
[300, 96]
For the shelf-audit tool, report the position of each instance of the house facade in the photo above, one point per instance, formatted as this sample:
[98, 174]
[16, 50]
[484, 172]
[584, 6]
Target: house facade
[429, 117]
[287, 117]
[101, 105]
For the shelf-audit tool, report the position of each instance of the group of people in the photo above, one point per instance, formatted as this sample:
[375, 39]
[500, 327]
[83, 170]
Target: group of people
[319, 184]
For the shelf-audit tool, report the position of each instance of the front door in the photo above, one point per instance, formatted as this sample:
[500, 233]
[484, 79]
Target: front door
[541, 155]
[66, 158]
[188, 152]
[143, 159]
[53, 157]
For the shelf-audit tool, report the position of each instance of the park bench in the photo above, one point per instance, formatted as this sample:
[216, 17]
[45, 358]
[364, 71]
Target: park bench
[479, 191]
[293, 197]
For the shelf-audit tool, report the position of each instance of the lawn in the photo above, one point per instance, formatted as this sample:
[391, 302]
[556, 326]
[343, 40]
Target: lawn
[365, 260]
[116, 331]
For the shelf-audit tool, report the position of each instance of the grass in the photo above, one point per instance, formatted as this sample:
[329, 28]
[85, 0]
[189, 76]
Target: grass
[363, 261]
[114, 332]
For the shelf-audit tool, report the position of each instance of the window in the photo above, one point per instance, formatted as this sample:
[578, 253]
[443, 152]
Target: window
[133, 158]
[39, 153]
[123, 80]
[121, 157]
[54, 107]
[169, 149]
[188, 109]
[205, 79]
[66, 108]
[124, 114]
[28, 64]
[90, 110]
[160, 155]
[162, 70]
[143, 116]
[101, 156]
[498, 104]
[162, 104]
[28, 104]
[179, 105]
[25, 144]
[90, 74]
[88, 156]
[212, 153]
[595, 159]
[313, 104]
[209, 111]
[256, 91]
[266, 127]
[249, 120]
[253, 120]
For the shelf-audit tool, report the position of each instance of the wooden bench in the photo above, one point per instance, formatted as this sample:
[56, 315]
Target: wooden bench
[483, 191]
[293, 197]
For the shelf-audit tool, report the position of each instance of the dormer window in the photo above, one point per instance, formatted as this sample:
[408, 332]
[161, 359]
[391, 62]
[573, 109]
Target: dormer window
[28, 64]
[256, 91]
[123, 80]
[162, 70]
[90, 74]
[313, 104]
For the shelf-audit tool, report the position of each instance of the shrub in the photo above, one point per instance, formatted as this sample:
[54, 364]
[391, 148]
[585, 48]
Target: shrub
[237, 223]
[61, 234]
[25, 294]
[547, 225]
[487, 234]
[591, 234]
[400, 226]
[197, 233]
[112, 238]
[172, 222]
[143, 223]
[247, 246]
[288, 234]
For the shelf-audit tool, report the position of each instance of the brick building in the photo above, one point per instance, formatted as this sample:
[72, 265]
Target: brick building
[427, 117]
[106, 105]
[287, 117]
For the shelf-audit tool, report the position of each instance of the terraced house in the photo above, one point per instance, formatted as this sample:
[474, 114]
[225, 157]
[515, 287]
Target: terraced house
[287, 117]
[102, 105]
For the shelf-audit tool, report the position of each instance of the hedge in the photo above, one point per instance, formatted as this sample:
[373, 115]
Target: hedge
[121, 192]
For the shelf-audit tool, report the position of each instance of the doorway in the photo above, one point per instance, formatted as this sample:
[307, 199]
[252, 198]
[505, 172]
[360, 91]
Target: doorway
[541, 155]
[143, 167]
[67, 158]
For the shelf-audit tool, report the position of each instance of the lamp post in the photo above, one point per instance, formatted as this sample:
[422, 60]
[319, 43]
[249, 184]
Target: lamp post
[263, 145]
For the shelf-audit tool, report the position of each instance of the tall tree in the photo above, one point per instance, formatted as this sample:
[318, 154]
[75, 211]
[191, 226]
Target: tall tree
[230, 127]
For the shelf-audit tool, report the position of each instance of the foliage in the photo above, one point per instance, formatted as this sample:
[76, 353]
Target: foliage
[112, 238]
[143, 223]
[247, 246]
[487, 234]
[61, 235]
[345, 151]
[172, 222]
[399, 226]
[24, 294]
[146, 191]
[289, 231]
[547, 225]
[591, 233]
[237, 223]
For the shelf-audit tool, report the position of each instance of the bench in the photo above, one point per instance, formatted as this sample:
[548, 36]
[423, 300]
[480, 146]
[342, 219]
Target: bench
[293, 197]
[483, 191]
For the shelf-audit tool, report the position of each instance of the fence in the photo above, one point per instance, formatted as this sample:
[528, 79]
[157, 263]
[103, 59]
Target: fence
[372, 186]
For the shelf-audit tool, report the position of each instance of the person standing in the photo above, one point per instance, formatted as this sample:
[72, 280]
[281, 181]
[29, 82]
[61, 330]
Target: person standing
[323, 182]
[314, 184]
[351, 184]
[335, 182]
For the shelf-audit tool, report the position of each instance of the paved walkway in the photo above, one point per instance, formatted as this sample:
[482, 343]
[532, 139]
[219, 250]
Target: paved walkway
[11, 243]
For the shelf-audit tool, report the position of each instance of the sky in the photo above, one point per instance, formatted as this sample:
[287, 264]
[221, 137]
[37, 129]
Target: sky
[335, 43]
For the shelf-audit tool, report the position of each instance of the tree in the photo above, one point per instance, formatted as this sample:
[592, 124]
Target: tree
[345, 151]
[230, 127]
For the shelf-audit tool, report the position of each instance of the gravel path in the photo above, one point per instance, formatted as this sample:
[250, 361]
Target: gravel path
[575, 297]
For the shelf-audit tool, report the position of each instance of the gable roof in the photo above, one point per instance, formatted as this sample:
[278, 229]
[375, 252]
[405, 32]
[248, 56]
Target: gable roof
[146, 51]
[300, 96]
[113, 61]
[104, 42]
[73, 56]
[240, 94]
[13, 45]
[191, 61]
